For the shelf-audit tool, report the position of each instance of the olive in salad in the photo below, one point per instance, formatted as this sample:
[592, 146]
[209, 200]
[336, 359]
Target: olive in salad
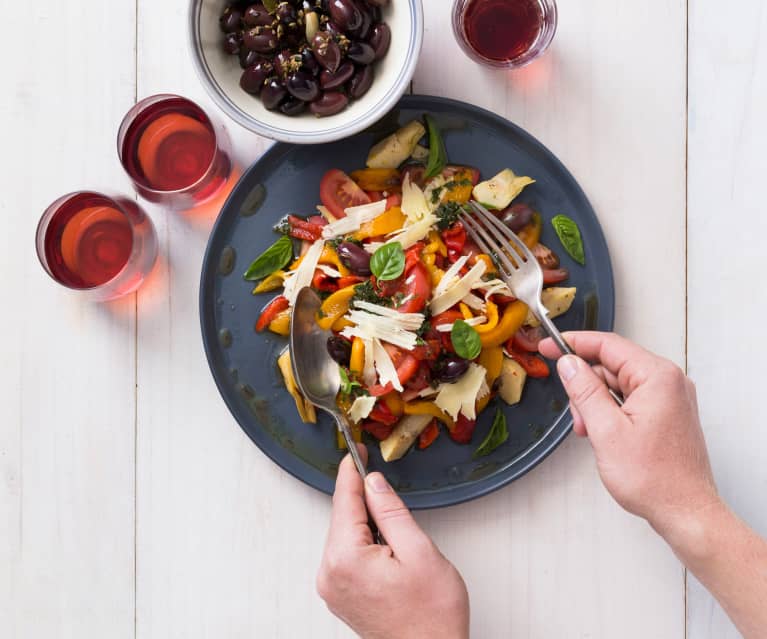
[306, 54]
[423, 328]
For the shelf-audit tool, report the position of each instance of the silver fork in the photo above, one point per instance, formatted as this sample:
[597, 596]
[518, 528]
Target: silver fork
[521, 272]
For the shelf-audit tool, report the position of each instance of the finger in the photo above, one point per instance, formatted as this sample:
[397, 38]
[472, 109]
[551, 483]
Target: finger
[589, 395]
[394, 519]
[348, 522]
[620, 356]
[607, 377]
[579, 426]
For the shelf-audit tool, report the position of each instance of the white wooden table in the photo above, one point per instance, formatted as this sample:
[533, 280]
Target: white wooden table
[131, 504]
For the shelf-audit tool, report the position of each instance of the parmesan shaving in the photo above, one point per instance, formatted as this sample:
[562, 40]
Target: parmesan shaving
[474, 321]
[387, 373]
[414, 232]
[302, 276]
[406, 320]
[361, 408]
[356, 216]
[372, 247]
[329, 270]
[451, 275]
[472, 301]
[369, 369]
[461, 396]
[414, 204]
[457, 291]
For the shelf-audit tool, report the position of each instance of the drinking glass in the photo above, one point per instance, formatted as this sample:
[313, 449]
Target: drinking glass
[504, 34]
[99, 245]
[172, 151]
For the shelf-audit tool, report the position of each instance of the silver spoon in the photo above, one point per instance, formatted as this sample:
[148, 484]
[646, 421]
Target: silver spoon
[317, 374]
[315, 371]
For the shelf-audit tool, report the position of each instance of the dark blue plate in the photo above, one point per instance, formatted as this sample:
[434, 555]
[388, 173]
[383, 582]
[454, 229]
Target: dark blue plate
[286, 179]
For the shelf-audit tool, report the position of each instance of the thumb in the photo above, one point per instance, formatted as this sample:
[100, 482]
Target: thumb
[588, 394]
[393, 518]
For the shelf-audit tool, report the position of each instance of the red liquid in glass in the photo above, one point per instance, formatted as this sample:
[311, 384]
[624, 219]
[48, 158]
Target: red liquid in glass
[88, 241]
[170, 146]
[503, 29]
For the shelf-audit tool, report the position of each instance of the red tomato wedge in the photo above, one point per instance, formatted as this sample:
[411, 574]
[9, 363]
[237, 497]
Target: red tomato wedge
[416, 290]
[338, 192]
[427, 437]
[534, 366]
[271, 310]
[377, 429]
[527, 339]
[463, 429]
[447, 317]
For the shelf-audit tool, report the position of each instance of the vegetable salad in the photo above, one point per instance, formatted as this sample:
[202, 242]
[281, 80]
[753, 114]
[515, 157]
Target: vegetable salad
[424, 330]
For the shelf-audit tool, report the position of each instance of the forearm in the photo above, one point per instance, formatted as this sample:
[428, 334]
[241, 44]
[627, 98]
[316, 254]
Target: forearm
[729, 559]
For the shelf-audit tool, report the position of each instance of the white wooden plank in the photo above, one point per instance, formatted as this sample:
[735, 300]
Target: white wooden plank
[68, 367]
[728, 93]
[552, 556]
[228, 544]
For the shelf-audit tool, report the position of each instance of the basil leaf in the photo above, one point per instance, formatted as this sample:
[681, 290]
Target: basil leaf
[270, 5]
[388, 262]
[466, 341]
[570, 236]
[271, 260]
[437, 152]
[498, 434]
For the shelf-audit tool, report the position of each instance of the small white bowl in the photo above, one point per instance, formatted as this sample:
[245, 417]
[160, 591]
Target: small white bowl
[220, 74]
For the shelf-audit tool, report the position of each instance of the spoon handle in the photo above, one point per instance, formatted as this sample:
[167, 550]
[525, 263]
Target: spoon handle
[344, 427]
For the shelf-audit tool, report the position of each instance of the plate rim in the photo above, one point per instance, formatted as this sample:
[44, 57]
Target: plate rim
[459, 493]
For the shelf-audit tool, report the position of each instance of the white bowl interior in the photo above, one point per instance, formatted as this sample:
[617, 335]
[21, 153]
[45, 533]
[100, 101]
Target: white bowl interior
[392, 75]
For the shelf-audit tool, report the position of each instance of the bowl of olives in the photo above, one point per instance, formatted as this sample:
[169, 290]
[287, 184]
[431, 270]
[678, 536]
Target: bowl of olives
[306, 71]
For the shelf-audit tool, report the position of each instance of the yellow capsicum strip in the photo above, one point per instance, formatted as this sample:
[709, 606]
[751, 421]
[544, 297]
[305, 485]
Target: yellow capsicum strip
[270, 283]
[531, 234]
[492, 319]
[491, 359]
[330, 257]
[512, 319]
[429, 408]
[357, 360]
[394, 403]
[389, 221]
[281, 323]
[334, 307]
[490, 267]
[435, 245]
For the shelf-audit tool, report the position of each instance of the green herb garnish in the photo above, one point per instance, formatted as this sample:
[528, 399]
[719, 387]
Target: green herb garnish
[271, 260]
[466, 340]
[388, 262]
[498, 434]
[570, 236]
[436, 194]
[347, 384]
[366, 292]
[437, 152]
[447, 215]
[270, 5]
[424, 328]
[282, 227]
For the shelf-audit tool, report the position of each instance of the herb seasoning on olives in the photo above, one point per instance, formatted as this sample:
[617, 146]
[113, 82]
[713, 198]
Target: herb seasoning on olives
[299, 54]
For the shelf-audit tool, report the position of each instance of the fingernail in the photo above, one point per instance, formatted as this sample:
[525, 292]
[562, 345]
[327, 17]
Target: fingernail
[378, 483]
[567, 367]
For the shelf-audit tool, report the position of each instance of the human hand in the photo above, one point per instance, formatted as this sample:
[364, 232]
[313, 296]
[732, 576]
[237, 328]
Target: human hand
[651, 454]
[402, 590]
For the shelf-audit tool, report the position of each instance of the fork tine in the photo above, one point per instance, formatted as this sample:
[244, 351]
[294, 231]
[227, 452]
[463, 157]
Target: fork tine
[504, 230]
[490, 245]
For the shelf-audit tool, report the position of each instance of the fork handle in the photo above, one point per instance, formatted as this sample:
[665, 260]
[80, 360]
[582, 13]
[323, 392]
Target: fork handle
[554, 334]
